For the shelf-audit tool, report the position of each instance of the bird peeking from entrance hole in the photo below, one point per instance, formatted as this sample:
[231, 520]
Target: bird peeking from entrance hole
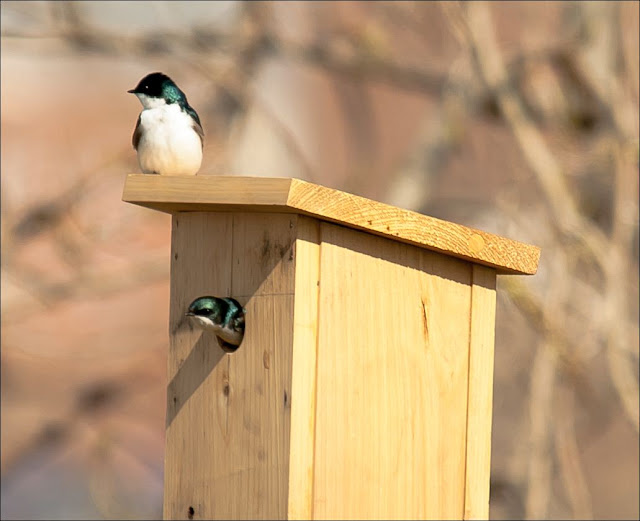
[223, 316]
[168, 135]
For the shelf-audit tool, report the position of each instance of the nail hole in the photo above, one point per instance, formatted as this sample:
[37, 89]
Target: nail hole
[190, 512]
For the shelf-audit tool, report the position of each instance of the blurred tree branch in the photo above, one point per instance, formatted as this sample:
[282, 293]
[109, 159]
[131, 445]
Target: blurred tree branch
[608, 253]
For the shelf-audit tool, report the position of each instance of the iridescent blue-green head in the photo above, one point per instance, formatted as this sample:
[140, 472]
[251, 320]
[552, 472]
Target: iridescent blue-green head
[223, 316]
[157, 89]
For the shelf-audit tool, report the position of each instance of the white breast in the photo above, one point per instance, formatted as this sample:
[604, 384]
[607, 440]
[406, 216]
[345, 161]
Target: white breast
[169, 145]
[227, 334]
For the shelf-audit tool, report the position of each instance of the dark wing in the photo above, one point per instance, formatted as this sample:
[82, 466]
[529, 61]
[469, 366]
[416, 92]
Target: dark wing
[235, 314]
[238, 324]
[197, 126]
[137, 133]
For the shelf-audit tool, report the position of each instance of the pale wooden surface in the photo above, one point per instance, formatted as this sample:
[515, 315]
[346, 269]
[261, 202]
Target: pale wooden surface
[228, 415]
[215, 193]
[362, 389]
[393, 346]
[481, 346]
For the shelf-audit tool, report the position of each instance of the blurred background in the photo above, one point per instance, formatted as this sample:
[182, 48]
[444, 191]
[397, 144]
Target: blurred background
[517, 118]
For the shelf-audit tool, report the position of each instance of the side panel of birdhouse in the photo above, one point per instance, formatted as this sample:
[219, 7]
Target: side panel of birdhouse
[392, 379]
[228, 415]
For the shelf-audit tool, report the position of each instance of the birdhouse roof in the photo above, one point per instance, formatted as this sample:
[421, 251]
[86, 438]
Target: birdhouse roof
[173, 194]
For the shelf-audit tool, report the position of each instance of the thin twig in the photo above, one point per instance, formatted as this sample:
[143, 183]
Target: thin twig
[567, 451]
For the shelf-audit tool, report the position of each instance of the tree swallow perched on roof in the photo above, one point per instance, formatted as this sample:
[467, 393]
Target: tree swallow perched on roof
[168, 135]
[223, 316]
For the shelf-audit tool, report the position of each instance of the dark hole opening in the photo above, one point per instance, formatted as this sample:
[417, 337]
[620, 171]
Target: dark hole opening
[227, 347]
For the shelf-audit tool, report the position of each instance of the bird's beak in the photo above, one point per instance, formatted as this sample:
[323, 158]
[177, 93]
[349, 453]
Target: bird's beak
[132, 91]
[189, 314]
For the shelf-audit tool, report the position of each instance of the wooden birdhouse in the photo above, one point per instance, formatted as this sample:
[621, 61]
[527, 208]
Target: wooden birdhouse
[363, 386]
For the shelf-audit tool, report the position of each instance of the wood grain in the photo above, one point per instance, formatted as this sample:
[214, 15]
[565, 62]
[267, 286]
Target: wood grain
[223, 193]
[481, 347]
[228, 415]
[403, 225]
[392, 364]
[185, 193]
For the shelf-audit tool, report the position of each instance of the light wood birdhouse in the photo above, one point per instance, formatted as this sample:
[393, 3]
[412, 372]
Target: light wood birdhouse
[363, 386]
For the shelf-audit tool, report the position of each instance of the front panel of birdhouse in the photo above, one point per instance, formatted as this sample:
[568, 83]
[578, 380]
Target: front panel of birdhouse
[228, 415]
